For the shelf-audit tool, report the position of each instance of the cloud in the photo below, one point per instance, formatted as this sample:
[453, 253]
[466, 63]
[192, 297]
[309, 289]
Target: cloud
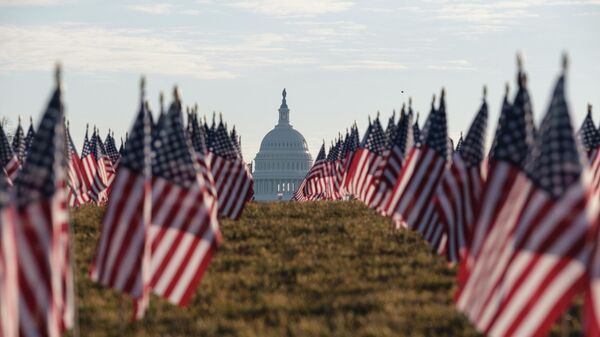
[365, 64]
[293, 7]
[166, 8]
[489, 16]
[160, 8]
[16, 3]
[92, 49]
[452, 65]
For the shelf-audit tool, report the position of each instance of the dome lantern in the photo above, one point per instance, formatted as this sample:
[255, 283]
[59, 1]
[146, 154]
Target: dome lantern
[284, 112]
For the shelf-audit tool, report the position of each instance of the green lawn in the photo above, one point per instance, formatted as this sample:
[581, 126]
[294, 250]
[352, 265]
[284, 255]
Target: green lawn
[292, 269]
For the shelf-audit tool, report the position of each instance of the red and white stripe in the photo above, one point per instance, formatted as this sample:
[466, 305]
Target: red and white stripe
[361, 175]
[123, 253]
[387, 173]
[457, 200]
[12, 168]
[77, 187]
[45, 275]
[415, 187]
[9, 289]
[203, 161]
[96, 178]
[595, 168]
[497, 191]
[185, 234]
[333, 175]
[591, 304]
[299, 194]
[316, 185]
[433, 231]
[233, 182]
[532, 262]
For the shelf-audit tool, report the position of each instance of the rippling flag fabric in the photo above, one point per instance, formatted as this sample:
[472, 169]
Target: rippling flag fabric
[111, 148]
[393, 156]
[232, 177]
[361, 173]
[533, 262]
[122, 258]
[18, 142]
[411, 202]
[184, 229]
[313, 186]
[78, 193]
[589, 134]
[94, 170]
[43, 242]
[459, 193]
[9, 289]
[333, 172]
[29, 137]
[198, 139]
[8, 159]
[506, 160]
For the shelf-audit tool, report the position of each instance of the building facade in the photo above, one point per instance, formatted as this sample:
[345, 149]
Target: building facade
[282, 161]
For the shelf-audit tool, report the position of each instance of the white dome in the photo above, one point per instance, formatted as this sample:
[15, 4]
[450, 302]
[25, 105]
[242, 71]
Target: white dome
[282, 161]
[283, 138]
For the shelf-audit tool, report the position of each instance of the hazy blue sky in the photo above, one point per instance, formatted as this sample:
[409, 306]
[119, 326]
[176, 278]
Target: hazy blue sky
[340, 60]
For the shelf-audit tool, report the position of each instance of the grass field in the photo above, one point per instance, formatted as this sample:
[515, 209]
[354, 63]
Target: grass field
[291, 269]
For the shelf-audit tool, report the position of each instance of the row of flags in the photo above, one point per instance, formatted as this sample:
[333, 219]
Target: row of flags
[164, 189]
[521, 222]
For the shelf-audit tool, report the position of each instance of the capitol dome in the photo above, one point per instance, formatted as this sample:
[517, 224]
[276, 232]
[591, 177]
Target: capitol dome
[282, 161]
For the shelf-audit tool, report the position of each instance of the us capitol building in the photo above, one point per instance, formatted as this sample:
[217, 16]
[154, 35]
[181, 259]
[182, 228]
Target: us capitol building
[282, 161]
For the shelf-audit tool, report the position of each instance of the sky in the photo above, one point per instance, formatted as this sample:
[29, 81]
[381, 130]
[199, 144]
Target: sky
[340, 60]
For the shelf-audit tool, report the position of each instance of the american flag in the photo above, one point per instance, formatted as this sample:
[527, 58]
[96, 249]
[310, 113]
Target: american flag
[360, 176]
[8, 159]
[411, 200]
[589, 134]
[18, 142]
[237, 142]
[111, 148]
[9, 289]
[85, 149]
[350, 147]
[591, 308]
[184, 231]
[122, 148]
[29, 136]
[99, 156]
[417, 132]
[232, 177]
[393, 156]
[94, 167]
[122, 259]
[76, 183]
[459, 193]
[198, 139]
[391, 128]
[512, 142]
[459, 143]
[333, 172]
[99, 151]
[532, 265]
[313, 186]
[374, 197]
[43, 243]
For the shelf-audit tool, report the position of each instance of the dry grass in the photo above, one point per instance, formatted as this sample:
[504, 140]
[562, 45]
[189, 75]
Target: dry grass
[290, 269]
